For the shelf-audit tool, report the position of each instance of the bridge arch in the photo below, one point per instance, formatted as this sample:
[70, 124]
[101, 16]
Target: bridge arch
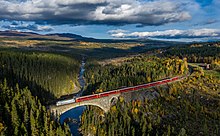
[113, 100]
[84, 104]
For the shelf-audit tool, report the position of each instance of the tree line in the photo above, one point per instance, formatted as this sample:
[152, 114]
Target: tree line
[197, 53]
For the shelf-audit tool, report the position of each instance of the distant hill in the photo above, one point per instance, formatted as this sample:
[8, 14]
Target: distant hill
[73, 37]
[31, 36]
[56, 36]
[16, 34]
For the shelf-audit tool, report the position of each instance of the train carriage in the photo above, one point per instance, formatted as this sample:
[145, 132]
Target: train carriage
[122, 90]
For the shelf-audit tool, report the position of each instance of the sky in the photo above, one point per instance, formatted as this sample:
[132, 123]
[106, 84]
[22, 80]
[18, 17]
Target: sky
[156, 19]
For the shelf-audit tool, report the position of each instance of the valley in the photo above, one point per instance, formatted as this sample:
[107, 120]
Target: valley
[35, 73]
[109, 68]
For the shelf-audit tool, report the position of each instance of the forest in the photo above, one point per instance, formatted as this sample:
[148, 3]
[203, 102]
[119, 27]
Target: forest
[37, 73]
[183, 108]
[197, 53]
[29, 79]
[48, 75]
[188, 107]
[134, 71]
[22, 114]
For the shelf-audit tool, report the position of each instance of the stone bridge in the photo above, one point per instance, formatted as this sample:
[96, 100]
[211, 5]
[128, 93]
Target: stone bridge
[104, 103]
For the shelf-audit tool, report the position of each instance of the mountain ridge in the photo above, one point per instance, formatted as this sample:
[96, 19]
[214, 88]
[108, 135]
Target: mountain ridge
[70, 37]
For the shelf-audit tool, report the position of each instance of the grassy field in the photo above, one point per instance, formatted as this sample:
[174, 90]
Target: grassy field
[96, 50]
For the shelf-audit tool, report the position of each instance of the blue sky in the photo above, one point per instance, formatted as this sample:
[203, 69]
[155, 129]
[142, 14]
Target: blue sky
[160, 19]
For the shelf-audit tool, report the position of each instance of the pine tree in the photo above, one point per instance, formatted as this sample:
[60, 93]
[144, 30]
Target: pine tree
[33, 124]
[14, 118]
[23, 130]
[133, 131]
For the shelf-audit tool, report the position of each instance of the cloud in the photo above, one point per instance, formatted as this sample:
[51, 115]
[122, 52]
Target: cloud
[109, 12]
[206, 22]
[210, 21]
[31, 27]
[170, 34]
[117, 31]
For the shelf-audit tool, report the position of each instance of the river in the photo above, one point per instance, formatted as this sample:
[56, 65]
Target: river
[76, 112]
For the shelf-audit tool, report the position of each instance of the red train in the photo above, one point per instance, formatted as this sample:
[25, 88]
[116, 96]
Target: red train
[123, 90]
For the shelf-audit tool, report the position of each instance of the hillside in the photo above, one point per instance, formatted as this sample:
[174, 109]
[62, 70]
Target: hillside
[187, 107]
